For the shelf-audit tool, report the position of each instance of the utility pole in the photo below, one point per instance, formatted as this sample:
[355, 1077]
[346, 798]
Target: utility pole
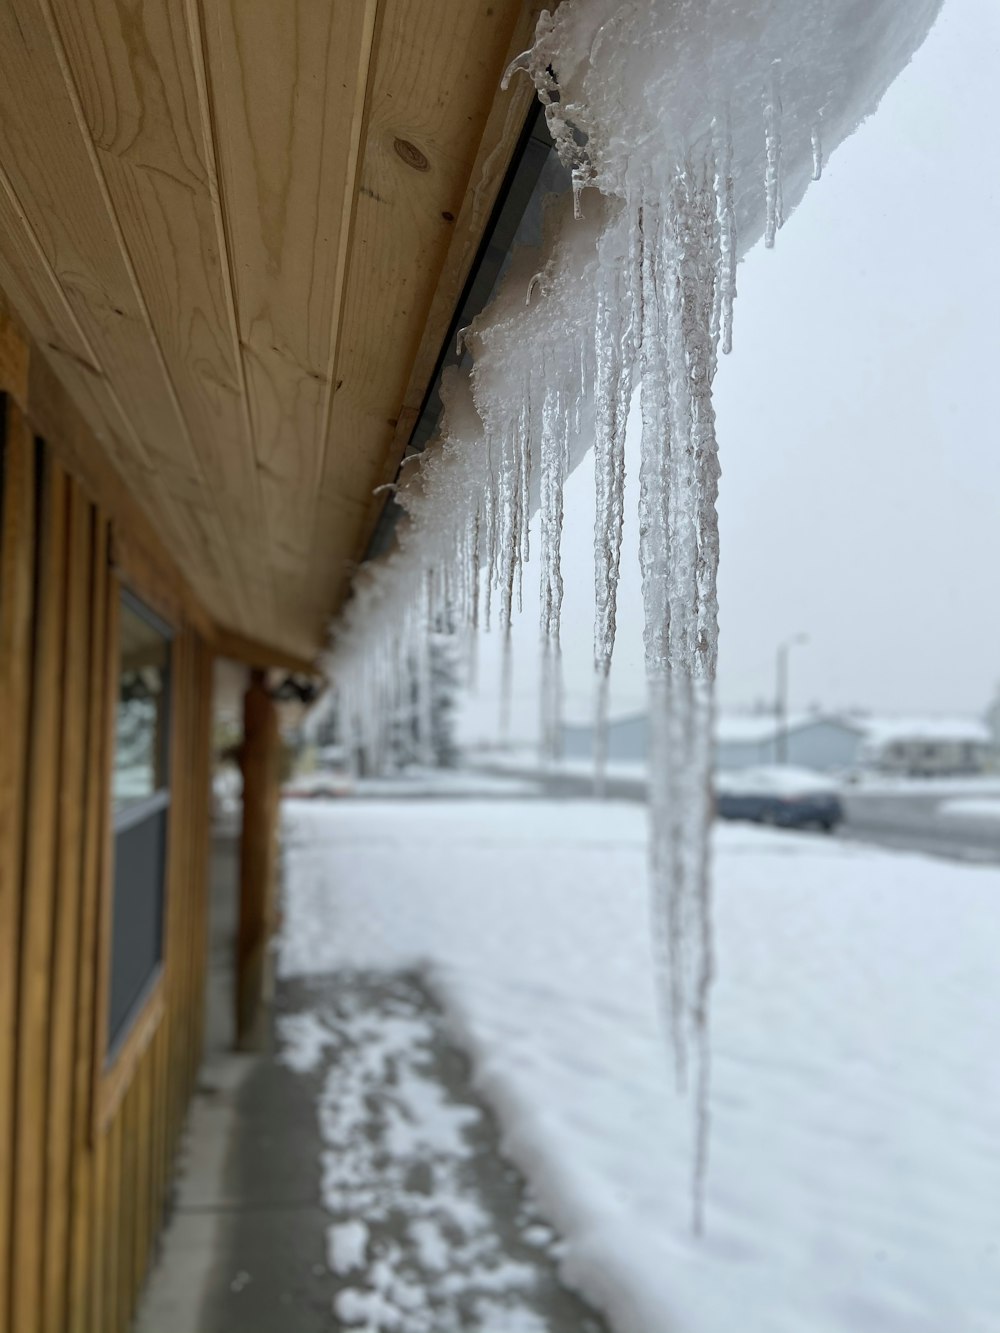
[781, 698]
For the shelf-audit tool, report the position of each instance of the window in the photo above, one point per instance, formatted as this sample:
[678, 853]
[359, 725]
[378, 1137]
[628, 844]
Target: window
[141, 798]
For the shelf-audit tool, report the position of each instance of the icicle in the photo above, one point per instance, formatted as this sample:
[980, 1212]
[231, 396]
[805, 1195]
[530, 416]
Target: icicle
[726, 197]
[655, 562]
[772, 138]
[612, 392]
[512, 500]
[553, 468]
[522, 435]
[817, 152]
[506, 685]
[579, 181]
[470, 581]
[491, 535]
[601, 704]
[421, 635]
[683, 264]
[476, 557]
[708, 260]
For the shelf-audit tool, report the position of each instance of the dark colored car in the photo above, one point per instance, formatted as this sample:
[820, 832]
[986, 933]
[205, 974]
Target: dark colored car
[783, 796]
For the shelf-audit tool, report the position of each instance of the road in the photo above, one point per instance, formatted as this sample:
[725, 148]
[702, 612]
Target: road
[911, 822]
[902, 821]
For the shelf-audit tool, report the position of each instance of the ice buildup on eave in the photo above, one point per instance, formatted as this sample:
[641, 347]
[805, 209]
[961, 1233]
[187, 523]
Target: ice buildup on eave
[692, 129]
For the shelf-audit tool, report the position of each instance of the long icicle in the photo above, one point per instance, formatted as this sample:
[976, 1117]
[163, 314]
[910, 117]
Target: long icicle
[612, 393]
[683, 265]
[775, 216]
[553, 471]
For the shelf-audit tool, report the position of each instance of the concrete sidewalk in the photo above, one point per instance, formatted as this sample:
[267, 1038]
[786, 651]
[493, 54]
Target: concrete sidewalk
[352, 1178]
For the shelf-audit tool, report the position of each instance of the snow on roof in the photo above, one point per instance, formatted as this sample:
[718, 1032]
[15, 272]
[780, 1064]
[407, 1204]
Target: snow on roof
[885, 730]
[736, 728]
[751, 728]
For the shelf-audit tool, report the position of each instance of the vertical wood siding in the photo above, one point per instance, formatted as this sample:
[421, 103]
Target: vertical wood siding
[17, 581]
[82, 1175]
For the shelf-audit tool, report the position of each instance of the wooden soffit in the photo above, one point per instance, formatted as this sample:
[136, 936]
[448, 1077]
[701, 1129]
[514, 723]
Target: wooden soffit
[238, 230]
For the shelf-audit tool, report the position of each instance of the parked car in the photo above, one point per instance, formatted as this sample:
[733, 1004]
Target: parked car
[780, 795]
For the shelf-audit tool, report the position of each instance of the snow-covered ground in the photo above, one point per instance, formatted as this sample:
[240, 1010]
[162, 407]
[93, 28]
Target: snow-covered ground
[880, 784]
[854, 1182]
[410, 782]
[528, 758]
[442, 782]
[972, 807]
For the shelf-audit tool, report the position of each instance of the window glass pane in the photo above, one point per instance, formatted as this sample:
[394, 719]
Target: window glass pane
[140, 743]
[137, 921]
[140, 784]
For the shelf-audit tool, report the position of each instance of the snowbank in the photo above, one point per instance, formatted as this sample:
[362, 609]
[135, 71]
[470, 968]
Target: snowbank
[854, 1184]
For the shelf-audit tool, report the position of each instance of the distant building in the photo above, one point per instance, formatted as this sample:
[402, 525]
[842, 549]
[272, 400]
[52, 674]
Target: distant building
[811, 740]
[742, 741]
[626, 740]
[911, 747]
[927, 747]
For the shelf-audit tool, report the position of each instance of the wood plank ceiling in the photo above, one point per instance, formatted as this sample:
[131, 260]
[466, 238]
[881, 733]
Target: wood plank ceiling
[238, 229]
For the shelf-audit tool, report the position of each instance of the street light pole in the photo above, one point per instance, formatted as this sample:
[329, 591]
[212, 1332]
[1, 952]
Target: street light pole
[781, 698]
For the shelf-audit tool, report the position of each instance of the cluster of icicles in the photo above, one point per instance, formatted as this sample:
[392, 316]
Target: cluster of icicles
[633, 287]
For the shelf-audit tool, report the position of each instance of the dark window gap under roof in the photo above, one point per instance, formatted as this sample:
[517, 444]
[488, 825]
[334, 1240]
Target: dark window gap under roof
[535, 172]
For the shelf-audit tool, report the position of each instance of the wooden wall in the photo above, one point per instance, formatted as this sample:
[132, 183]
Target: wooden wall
[85, 1148]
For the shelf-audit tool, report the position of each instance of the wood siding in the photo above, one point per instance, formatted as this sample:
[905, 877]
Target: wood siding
[85, 1149]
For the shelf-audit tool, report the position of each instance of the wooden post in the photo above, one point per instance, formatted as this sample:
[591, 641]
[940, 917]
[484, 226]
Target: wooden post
[257, 861]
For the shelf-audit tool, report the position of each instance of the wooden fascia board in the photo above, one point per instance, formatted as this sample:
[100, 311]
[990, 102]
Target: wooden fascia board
[501, 134]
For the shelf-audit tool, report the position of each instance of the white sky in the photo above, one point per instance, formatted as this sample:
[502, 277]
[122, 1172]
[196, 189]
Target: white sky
[860, 499]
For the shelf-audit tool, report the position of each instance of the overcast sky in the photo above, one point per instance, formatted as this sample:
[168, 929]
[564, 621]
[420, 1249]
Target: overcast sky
[857, 422]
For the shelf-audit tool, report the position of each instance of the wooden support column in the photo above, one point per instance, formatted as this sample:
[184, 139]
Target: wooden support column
[258, 847]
